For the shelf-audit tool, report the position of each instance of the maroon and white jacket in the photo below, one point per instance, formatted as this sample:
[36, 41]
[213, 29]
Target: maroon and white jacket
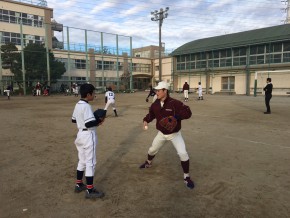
[171, 107]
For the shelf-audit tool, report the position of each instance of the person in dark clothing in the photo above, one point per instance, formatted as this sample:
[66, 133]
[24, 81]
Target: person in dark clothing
[168, 113]
[268, 95]
[185, 90]
[151, 93]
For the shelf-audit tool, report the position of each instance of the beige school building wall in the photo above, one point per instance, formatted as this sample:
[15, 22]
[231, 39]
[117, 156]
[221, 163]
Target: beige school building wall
[166, 70]
[280, 81]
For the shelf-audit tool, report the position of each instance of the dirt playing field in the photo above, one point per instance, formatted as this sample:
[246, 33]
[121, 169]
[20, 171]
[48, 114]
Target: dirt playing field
[239, 160]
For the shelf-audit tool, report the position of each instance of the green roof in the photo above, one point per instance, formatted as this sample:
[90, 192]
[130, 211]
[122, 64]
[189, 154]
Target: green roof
[257, 36]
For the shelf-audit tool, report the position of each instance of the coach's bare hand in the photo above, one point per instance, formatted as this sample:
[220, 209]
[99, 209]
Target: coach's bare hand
[145, 125]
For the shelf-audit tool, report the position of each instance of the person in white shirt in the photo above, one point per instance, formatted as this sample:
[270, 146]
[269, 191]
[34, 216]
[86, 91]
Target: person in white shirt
[200, 97]
[110, 100]
[86, 141]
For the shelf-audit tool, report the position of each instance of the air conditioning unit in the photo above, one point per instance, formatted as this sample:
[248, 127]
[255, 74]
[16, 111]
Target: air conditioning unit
[41, 38]
[30, 16]
[40, 18]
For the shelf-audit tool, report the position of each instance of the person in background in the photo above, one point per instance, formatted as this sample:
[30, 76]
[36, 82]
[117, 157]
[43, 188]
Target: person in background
[185, 90]
[268, 95]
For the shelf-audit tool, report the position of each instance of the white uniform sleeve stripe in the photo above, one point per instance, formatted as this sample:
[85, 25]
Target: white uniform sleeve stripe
[90, 119]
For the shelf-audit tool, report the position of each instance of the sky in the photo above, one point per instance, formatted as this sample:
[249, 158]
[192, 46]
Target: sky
[187, 20]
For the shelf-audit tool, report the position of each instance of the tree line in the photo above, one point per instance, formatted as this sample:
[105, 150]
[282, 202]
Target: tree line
[35, 62]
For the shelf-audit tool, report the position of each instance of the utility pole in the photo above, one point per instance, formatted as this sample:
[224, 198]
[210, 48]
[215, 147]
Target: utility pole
[160, 16]
[287, 11]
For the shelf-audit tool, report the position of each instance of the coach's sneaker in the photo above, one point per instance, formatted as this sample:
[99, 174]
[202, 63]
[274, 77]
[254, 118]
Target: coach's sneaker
[80, 187]
[189, 183]
[145, 165]
[94, 194]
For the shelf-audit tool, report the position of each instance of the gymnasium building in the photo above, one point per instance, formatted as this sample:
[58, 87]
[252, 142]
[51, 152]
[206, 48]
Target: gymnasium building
[228, 63]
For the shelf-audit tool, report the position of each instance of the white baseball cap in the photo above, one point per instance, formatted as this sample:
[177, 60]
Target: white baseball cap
[161, 85]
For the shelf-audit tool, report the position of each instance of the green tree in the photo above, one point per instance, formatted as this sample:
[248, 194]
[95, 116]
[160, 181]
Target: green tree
[34, 61]
[9, 55]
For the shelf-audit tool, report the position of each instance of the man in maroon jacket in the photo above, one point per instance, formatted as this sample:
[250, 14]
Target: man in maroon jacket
[168, 113]
[185, 90]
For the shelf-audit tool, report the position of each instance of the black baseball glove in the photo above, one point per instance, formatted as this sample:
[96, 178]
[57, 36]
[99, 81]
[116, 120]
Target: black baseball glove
[100, 115]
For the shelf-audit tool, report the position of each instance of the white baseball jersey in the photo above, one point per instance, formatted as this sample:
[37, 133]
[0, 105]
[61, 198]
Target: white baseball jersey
[199, 90]
[82, 114]
[110, 100]
[110, 96]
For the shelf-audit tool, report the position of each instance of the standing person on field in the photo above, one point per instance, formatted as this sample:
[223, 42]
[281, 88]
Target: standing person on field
[268, 95]
[8, 90]
[168, 113]
[76, 90]
[151, 93]
[38, 89]
[86, 141]
[110, 100]
[185, 90]
[199, 88]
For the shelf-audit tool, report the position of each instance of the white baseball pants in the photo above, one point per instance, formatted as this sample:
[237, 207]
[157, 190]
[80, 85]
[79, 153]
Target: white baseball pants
[185, 93]
[38, 92]
[177, 141]
[86, 143]
[199, 93]
[110, 102]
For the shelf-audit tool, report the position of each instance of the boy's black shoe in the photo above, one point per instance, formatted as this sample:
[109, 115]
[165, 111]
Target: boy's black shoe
[267, 112]
[80, 187]
[145, 165]
[189, 183]
[94, 194]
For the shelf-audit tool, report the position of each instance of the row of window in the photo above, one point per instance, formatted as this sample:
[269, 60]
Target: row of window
[106, 65]
[15, 38]
[27, 19]
[240, 61]
[99, 80]
[259, 54]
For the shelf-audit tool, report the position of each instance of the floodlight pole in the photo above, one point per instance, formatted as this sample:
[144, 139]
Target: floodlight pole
[160, 16]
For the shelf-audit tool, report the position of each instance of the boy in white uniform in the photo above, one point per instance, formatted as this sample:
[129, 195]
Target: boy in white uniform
[110, 100]
[86, 141]
[8, 90]
[200, 97]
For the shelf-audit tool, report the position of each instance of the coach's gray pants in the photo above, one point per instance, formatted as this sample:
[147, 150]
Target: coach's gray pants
[177, 141]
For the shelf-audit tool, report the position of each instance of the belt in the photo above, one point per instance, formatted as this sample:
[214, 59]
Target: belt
[85, 129]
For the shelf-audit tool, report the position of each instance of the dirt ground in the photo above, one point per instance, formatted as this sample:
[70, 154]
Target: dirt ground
[239, 159]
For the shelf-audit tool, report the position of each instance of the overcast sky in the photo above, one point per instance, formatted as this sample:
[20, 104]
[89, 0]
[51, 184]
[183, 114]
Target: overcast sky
[187, 20]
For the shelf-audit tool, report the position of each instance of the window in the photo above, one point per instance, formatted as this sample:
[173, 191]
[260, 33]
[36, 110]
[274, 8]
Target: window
[277, 47]
[286, 46]
[228, 83]
[258, 49]
[286, 57]
[80, 64]
[201, 64]
[226, 53]
[276, 58]
[109, 65]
